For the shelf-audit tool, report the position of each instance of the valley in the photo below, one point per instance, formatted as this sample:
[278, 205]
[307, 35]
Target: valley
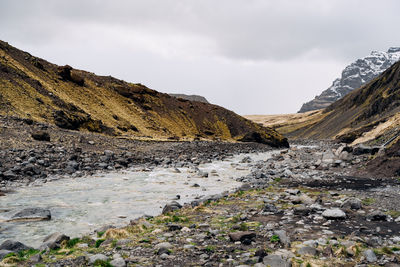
[96, 171]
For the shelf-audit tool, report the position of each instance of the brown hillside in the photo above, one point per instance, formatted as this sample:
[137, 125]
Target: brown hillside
[33, 88]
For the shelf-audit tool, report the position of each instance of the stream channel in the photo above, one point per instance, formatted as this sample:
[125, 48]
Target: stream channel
[80, 205]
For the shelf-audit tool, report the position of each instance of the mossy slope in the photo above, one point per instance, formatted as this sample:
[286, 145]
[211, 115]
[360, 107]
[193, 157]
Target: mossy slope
[33, 88]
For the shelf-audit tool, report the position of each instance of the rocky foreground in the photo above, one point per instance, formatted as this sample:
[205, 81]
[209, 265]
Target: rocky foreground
[300, 208]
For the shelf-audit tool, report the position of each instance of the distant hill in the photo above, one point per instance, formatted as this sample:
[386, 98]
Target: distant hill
[35, 89]
[197, 98]
[354, 76]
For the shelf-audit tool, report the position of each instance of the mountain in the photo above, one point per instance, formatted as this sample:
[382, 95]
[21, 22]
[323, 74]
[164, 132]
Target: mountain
[354, 76]
[32, 88]
[197, 98]
[370, 113]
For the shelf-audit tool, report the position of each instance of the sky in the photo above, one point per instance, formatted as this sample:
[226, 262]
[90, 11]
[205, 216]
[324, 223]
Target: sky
[250, 56]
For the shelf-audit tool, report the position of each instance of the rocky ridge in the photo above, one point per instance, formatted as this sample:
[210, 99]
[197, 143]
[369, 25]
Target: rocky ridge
[355, 75]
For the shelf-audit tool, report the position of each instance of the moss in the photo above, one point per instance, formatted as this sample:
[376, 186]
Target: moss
[98, 242]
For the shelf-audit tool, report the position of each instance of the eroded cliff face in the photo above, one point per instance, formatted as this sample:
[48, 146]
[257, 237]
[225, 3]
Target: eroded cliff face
[354, 76]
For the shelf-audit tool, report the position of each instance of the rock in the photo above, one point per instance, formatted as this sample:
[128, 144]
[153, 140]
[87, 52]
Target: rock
[307, 251]
[276, 261]
[174, 227]
[31, 214]
[54, 241]
[270, 208]
[283, 238]
[41, 136]
[171, 207]
[363, 149]
[100, 257]
[293, 191]
[241, 236]
[35, 258]
[259, 265]
[13, 246]
[164, 245]
[9, 175]
[118, 262]
[4, 252]
[334, 214]
[377, 216]
[370, 255]
[352, 203]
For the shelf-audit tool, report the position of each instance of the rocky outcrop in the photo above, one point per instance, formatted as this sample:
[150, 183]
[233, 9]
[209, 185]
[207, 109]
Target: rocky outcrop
[197, 98]
[354, 76]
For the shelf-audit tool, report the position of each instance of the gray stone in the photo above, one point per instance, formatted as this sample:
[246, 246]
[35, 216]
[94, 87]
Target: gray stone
[54, 241]
[377, 216]
[352, 203]
[334, 214]
[118, 262]
[307, 251]
[164, 245]
[171, 207]
[241, 236]
[13, 246]
[283, 238]
[94, 258]
[370, 255]
[276, 261]
[31, 214]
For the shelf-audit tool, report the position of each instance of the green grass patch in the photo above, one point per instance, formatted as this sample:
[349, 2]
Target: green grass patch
[98, 242]
[368, 201]
[100, 263]
[72, 242]
[274, 239]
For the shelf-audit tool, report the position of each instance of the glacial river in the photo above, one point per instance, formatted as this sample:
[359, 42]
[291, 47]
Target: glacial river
[80, 205]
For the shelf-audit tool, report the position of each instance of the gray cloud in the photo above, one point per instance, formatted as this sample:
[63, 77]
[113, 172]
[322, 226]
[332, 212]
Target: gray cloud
[221, 45]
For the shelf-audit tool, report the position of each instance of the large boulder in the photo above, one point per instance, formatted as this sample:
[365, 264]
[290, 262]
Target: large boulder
[171, 207]
[334, 214]
[41, 136]
[54, 241]
[13, 246]
[276, 261]
[31, 214]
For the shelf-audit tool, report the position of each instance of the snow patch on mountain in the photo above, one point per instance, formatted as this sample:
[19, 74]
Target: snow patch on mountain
[354, 76]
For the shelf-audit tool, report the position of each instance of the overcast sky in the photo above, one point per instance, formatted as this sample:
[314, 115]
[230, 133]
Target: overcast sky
[251, 56]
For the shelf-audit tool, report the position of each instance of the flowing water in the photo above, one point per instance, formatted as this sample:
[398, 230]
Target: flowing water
[80, 205]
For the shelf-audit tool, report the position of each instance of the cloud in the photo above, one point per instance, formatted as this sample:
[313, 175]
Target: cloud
[208, 47]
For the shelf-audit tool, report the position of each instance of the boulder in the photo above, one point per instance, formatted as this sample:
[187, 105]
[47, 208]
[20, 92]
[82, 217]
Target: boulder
[171, 207]
[370, 255]
[334, 214]
[308, 251]
[41, 136]
[31, 214]
[276, 261]
[13, 246]
[241, 236]
[97, 257]
[352, 203]
[54, 241]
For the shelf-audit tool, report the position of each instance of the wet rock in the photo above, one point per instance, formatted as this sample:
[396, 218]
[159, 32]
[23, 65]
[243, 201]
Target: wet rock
[334, 214]
[41, 136]
[363, 149]
[370, 256]
[171, 207]
[352, 203]
[240, 236]
[276, 261]
[307, 251]
[13, 246]
[53, 241]
[31, 214]
[97, 257]
[9, 175]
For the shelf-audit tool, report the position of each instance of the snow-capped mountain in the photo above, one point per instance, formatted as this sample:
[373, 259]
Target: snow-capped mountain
[354, 76]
